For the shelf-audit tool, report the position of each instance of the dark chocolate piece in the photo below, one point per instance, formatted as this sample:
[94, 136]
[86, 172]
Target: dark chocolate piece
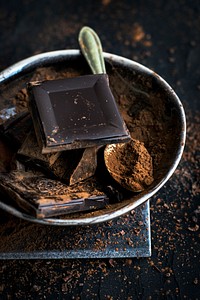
[43, 197]
[86, 167]
[75, 113]
[57, 164]
[6, 156]
[15, 129]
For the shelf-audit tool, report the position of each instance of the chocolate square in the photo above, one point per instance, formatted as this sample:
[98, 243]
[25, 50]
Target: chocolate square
[75, 113]
[43, 197]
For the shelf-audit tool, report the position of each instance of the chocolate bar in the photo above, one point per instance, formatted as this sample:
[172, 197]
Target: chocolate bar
[43, 197]
[75, 113]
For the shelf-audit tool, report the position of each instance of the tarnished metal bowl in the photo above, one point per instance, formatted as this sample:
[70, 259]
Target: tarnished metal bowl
[164, 131]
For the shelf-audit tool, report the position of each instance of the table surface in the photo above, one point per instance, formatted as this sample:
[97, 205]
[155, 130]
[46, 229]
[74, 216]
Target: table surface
[164, 36]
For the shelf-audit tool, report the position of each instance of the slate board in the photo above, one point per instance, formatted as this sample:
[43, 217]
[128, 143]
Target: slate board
[126, 236]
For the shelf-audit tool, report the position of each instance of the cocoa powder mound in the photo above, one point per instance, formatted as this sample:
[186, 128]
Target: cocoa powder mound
[130, 164]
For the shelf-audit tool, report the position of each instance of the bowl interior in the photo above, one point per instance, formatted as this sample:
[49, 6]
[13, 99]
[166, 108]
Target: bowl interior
[150, 108]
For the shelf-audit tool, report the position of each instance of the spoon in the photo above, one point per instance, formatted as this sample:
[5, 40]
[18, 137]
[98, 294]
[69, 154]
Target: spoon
[92, 50]
[129, 164]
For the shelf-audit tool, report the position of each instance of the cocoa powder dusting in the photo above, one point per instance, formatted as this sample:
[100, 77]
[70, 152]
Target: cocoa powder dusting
[147, 114]
[19, 98]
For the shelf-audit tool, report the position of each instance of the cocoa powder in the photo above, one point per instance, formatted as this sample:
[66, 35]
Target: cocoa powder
[130, 164]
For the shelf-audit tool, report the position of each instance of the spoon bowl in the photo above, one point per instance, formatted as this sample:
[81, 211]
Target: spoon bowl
[132, 176]
[130, 164]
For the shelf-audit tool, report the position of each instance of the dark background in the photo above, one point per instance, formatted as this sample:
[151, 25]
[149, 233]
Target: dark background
[164, 36]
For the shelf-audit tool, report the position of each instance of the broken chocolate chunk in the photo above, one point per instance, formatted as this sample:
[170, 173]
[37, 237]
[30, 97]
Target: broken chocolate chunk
[6, 156]
[86, 167]
[15, 129]
[57, 164]
[43, 197]
[75, 113]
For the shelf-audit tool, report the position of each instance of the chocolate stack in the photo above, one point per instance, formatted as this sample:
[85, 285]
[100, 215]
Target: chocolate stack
[57, 142]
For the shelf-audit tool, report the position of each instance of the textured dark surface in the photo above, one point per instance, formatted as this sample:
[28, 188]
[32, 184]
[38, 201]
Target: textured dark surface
[26, 240]
[165, 36]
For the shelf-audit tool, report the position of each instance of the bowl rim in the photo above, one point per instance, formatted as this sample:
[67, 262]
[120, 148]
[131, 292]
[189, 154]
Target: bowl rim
[58, 55]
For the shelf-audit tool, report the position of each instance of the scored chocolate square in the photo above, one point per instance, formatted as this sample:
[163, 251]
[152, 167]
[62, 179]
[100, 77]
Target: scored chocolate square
[43, 197]
[75, 113]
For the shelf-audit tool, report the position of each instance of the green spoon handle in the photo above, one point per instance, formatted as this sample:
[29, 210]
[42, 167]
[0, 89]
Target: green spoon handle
[92, 50]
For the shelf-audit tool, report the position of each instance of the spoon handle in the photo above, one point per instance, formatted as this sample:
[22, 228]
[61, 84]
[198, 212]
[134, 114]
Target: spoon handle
[92, 50]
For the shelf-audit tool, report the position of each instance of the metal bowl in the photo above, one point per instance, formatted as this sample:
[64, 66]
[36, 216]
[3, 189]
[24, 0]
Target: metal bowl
[135, 80]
